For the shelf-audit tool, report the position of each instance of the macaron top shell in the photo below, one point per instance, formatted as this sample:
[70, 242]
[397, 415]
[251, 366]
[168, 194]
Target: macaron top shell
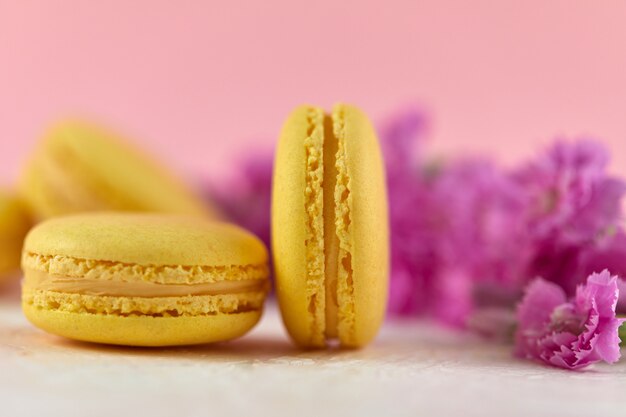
[146, 239]
[330, 227]
[84, 167]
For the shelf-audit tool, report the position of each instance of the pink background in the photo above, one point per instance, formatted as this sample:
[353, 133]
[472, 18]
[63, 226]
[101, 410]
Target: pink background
[199, 81]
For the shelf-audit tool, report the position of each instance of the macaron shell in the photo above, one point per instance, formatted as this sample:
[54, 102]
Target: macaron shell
[14, 224]
[146, 239]
[288, 231]
[369, 224]
[82, 167]
[49, 191]
[143, 330]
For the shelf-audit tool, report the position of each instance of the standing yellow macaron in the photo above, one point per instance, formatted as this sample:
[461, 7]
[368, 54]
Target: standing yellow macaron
[83, 167]
[330, 227]
[143, 279]
[14, 224]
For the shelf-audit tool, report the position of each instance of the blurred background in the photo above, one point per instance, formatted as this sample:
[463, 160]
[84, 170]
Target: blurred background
[199, 81]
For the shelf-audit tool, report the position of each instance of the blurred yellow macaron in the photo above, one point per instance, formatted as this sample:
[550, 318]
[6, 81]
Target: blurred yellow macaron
[330, 228]
[143, 279]
[14, 224]
[80, 167]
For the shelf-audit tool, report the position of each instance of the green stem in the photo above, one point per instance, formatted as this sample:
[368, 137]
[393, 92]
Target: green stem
[622, 332]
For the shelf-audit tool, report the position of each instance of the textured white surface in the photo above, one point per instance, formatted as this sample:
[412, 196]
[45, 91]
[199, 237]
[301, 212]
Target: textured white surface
[412, 369]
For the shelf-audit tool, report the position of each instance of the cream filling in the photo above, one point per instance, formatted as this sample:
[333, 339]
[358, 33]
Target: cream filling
[40, 280]
[343, 228]
[331, 243]
[330, 286]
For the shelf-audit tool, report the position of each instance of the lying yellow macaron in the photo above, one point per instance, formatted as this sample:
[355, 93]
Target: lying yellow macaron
[14, 224]
[143, 279]
[83, 167]
[330, 227]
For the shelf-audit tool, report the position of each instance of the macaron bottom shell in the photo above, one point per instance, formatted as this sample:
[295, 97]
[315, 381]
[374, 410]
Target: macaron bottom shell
[136, 330]
[15, 222]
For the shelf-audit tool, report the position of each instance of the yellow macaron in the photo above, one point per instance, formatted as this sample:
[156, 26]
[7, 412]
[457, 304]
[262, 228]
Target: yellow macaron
[14, 224]
[330, 227]
[143, 279]
[81, 167]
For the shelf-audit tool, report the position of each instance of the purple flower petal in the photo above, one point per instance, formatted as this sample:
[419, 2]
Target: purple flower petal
[539, 302]
[572, 334]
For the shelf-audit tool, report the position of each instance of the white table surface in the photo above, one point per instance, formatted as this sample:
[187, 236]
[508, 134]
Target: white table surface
[412, 369]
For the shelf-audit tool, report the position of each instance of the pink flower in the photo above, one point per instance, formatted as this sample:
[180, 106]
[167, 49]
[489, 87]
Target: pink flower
[478, 226]
[571, 194]
[402, 138]
[573, 205]
[609, 254]
[570, 334]
[452, 225]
